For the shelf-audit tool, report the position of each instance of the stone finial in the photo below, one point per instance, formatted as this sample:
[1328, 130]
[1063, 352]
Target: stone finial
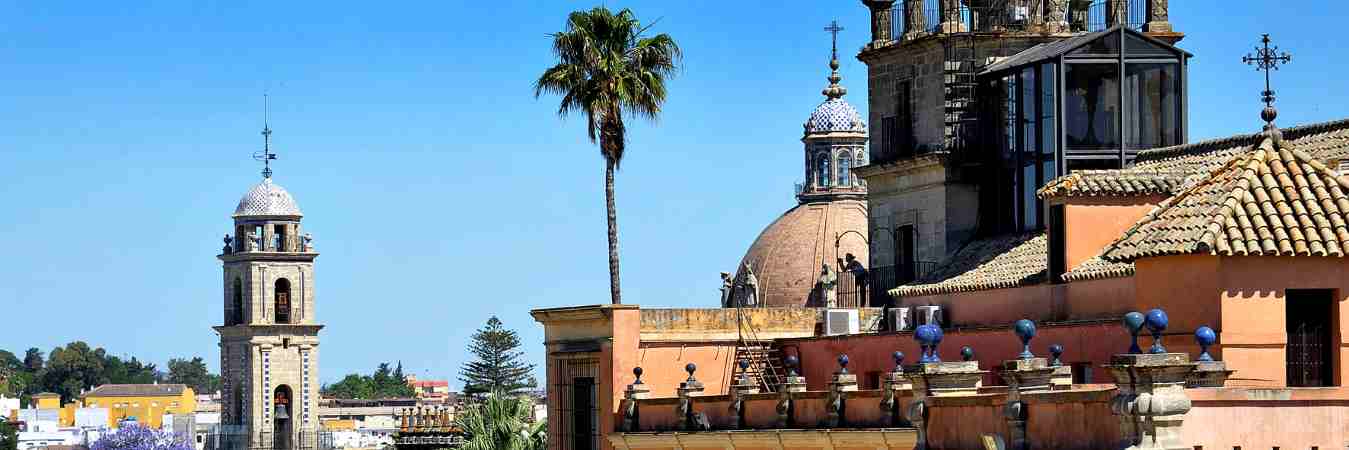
[1056, 350]
[899, 360]
[228, 248]
[843, 363]
[791, 361]
[744, 370]
[1025, 329]
[690, 368]
[637, 372]
[1156, 322]
[966, 353]
[1133, 322]
[1205, 337]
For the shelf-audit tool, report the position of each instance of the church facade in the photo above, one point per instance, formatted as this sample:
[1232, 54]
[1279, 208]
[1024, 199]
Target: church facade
[269, 343]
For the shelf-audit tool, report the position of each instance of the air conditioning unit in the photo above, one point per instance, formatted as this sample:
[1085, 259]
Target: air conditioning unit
[840, 321]
[929, 315]
[900, 320]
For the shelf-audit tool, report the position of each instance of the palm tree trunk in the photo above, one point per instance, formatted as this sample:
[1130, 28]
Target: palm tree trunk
[613, 231]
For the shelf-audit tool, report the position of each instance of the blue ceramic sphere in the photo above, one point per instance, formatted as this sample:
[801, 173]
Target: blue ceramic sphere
[744, 363]
[967, 353]
[1056, 350]
[690, 368]
[791, 361]
[1205, 336]
[843, 361]
[637, 371]
[937, 332]
[1157, 320]
[926, 334]
[899, 357]
[1025, 329]
[1133, 321]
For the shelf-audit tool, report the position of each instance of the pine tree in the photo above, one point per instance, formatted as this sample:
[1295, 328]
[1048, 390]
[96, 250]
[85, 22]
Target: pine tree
[500, 367]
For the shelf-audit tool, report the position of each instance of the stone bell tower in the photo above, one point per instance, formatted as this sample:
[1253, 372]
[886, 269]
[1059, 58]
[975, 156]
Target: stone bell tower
[269, 337]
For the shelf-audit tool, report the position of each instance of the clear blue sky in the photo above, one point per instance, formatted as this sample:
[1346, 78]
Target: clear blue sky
[439, 191]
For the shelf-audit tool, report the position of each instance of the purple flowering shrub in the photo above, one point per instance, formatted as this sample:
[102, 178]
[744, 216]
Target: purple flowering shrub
[137, 437]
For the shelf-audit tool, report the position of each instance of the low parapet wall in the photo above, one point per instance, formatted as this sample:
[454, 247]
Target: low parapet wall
[723, 324]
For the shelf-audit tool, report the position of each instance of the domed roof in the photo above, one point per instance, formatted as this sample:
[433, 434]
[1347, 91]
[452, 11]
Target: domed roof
[786, 257]
[835, 114]
[267, 199]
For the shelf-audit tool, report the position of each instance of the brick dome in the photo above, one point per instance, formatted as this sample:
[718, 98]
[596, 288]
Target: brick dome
[786, 257]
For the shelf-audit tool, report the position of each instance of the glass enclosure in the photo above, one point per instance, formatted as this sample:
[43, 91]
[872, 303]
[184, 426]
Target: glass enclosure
[1090, 102]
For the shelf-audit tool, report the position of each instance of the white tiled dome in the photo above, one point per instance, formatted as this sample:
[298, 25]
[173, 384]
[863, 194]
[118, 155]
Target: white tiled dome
[835, 114]
[267, 199]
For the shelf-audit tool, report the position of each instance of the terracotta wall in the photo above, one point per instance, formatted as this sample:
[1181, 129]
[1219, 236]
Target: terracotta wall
[1092, 223]
[663, 366]
[1243, 299]
[1265, 418]
[1084, 300]
[869, 355]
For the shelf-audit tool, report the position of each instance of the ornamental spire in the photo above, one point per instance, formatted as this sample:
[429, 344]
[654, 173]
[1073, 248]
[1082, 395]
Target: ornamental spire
[1267, 59]
[266, 155]
[834, 90]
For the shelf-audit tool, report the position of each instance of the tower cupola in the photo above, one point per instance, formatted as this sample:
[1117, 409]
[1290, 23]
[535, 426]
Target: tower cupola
[835, 140]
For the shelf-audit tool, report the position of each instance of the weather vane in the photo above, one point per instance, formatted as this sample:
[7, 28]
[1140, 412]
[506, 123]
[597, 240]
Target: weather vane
[266, 155]
[1267, 59]
[833, 29]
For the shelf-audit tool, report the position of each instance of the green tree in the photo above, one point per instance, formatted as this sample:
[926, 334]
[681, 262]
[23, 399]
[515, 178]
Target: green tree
[74, 368]
[10, 367]
[383, 383]
[352, 386]
[9, 436]
[606, 68]
[131, 371]
[32, 360]
[499, 366]
[502, 422]
[194, 374]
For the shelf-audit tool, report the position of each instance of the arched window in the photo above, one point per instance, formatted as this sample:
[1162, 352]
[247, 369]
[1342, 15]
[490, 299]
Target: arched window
[235, 315]
[844, 169]
[282, 300]
[823, 176]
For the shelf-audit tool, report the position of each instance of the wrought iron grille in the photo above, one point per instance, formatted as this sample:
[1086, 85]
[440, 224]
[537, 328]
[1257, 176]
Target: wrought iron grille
[993, 16]
[879, 281]
[234, 440]
[1307, 355]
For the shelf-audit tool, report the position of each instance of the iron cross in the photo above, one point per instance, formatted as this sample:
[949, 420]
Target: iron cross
[266, 155]
[833, 29]
[1265, 59]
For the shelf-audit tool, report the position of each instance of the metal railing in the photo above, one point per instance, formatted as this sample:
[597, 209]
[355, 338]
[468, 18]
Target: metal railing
[878, 281]
[930, 17]
[304, 440]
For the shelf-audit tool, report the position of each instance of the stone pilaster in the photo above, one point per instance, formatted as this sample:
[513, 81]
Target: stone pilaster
[939, 379]
[837, 405]
[1023, 376]
[791, 385]
[1159, 17]
[1116, 12]
[688, 419]
[950, 17]
[882, 21]
[895, 385]
[1151, 400]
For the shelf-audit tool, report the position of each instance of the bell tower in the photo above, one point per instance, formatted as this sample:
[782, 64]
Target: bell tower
[269, 335]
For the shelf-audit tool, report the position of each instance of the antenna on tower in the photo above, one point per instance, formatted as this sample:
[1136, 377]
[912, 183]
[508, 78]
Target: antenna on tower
[266, 155]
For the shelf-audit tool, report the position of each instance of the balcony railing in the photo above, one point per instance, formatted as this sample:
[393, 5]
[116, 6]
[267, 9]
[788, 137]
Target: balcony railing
[928, 17]
[879, 280]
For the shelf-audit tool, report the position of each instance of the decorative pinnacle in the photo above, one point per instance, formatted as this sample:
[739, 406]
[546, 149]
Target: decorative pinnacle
[1267, 59]
[834, 90]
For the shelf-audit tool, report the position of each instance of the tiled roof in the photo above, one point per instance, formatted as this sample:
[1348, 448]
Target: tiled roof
[1269, 200]
[136, 390]
[1097, 268]
[999, 262]
[1168, 170]
[1114, 183]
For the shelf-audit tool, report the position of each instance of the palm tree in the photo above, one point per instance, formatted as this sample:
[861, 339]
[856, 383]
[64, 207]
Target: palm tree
[501, 422]
[606, 67]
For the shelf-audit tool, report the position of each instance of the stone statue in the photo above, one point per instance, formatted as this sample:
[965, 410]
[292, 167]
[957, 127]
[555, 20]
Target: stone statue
[308, 242]
[250, 242]
[751, 287]
[1080, 14]
[727, 289]
[828, 284]
[228, 248]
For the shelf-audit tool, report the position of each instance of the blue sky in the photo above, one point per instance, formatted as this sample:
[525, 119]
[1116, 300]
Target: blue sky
[440, 192]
